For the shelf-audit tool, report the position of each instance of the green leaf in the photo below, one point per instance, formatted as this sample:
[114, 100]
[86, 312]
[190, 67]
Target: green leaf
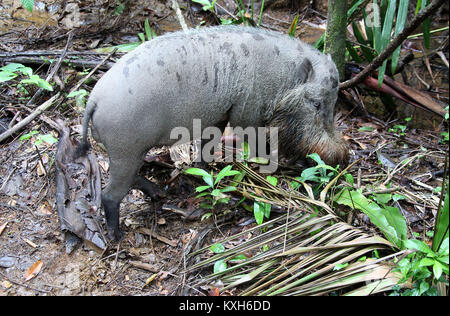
[437, 270]
[386, 36]
[220, 266]
[217, 248]
[203, 194]
[228, 189]
[366, 129]
[293, 26]
[28, 4]
[340, 266]
[267, 208]
[426, 262]
[245, 151]
[6, 76]
[320, 42]
[202, 188]
[400, 22]
[383, 198]
[80, 97]
[353, 52]
[376, 28]
[28, 135]
[12, 67]
[141, 37]
[424, 286]
[388, 220]
[258, 212]
[225, 172]
[272, 180]
[237, 259]
[197, 172]
[206, 206]
[443, 250]
[316, 158]
[418, 245]
[223, 200]
[349, 179]
[425, 27]
[41, 83]
[48, 138]
[354, 7]
[398, 197]
[441, 225]
[366, 51]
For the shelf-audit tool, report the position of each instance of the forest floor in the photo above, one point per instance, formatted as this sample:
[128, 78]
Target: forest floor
[150, 259]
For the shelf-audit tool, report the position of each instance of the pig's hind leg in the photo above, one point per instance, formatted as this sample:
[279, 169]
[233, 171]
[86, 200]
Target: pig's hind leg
[149, 188]
[123, 173]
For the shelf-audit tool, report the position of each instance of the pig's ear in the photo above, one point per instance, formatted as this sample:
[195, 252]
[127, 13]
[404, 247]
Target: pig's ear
[305, 71]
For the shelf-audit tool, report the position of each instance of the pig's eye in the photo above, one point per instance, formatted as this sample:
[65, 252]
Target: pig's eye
[316, 104]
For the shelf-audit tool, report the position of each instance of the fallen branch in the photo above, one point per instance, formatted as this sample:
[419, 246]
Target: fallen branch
[29, 118]
[378, 61]
[71, 59]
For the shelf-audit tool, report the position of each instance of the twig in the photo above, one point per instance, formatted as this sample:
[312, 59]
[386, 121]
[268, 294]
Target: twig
[415, 23]
[24, 285]
[78, 85]
[52, 72]
[180, 17]
[29, 118]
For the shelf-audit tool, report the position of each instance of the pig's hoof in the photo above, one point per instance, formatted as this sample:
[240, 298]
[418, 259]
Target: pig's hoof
[115, 235]
[158, 194]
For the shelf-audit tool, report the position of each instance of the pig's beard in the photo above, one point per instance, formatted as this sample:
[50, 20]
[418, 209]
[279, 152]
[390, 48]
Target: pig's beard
[298, 138]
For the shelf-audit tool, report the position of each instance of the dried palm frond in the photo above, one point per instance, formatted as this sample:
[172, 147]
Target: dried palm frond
[297, 253]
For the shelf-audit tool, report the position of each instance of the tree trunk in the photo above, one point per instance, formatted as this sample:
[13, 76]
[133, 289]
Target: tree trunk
[336, 33]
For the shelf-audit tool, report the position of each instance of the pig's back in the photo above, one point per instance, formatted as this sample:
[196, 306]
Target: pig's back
[205, 75]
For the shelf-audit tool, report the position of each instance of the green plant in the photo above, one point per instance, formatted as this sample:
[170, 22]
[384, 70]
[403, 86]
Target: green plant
[120, 7]
[383, 20]
[400, 129]
[148, 35]
[207, 6]
[221, 265]
[80, 97]
[445, 134]
[211, 191]
[11, 71]
[425, 267]
[39, 139]
[149, 32]
[262, 209]
[320, 174]
[28, 4]
[240, 17]
[387, 218]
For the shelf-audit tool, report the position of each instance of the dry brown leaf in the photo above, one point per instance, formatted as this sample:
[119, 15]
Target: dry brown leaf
[45, 209]
[33, 270]
[6, 284]
[29, 242]
[151, 278]
[214, 292]
[2, 227]
[40, 170]
[161, 221]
